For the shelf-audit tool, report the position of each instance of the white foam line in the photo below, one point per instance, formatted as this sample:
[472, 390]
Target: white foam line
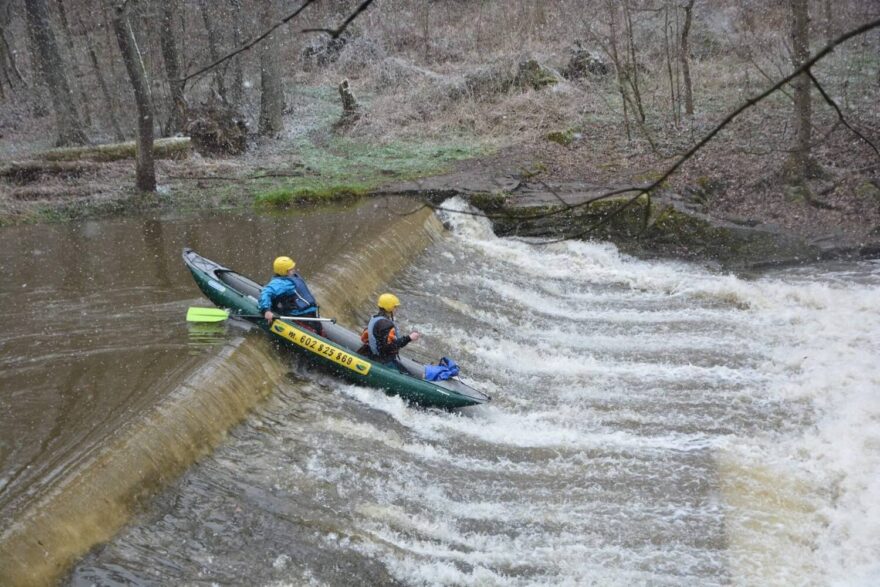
[534, 301]
[532, 430]
[578, 510]
[511, 357]
[561, 558]
[575, 341]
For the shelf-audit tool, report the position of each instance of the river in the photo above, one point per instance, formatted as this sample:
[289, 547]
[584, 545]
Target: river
[652, 423]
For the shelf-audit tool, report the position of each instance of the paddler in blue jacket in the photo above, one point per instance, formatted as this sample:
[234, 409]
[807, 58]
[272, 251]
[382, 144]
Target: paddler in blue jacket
[380, 338]
[287, 294]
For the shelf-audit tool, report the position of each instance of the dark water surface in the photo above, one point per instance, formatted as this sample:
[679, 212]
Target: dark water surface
[93, 329]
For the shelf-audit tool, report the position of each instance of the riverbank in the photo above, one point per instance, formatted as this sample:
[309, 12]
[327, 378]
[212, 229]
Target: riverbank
[719, 199]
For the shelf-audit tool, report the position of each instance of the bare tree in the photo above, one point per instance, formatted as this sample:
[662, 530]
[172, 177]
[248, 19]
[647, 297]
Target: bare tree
[800, 165]
[146, 169]
[11, 76]
[633, 73]
[684, 58]
[53, 70]
[426, 27]
[67, 37]
[212, 47]
[829, 20]
[618, 66]
[102, 83]
[237, 94]
[673, 99]
[171, 57]
[272, 90]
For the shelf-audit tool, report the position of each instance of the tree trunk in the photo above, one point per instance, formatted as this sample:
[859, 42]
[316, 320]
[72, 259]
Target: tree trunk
[800, 162]
[102, 83]
[38, 101]
[426, 28]
[618, 66]
[74, 66]
[8, 67]
[212, 48]
[146, 169]
[634, 77]
[672, 99]
[52, 68]
[272, 91]
[684, 58]
[10, 56]
[171, 57]
[829, 21]
[4, 71]
[237, 94]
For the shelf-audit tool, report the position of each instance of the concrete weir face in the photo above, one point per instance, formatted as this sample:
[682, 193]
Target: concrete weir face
[96, 465]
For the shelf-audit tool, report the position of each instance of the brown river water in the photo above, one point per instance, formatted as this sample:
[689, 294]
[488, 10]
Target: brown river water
[652, 422]
[95, 340]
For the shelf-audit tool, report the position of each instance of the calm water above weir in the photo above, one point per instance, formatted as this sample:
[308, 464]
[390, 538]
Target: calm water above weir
[651, 423]
[94, 330]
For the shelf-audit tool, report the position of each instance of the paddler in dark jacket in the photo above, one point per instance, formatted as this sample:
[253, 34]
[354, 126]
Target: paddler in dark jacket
[287, 294]
[380, 338]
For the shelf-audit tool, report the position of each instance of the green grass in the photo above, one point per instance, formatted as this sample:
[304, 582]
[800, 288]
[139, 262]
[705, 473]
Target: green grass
[344, 168]
[344, 158]
[340, 167]
[312, 192]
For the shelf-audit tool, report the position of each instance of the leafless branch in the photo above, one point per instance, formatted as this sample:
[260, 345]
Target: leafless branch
[556, 195]
[250, 44]
[334, 33]
[648, 189]
[840, 116]
[764, 74]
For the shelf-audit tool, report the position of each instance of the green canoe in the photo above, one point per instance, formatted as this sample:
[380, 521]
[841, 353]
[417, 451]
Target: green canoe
[335, 349]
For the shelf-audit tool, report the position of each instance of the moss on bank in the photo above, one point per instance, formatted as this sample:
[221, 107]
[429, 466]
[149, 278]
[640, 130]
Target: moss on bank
[642, 229]
[309, 194]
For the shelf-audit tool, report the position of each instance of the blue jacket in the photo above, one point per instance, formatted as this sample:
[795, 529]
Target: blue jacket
[287, 295]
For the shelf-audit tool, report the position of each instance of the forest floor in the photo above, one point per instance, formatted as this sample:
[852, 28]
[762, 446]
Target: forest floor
[525, 144]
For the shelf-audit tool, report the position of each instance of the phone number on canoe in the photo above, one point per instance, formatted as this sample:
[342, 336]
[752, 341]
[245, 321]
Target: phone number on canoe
[325, 349]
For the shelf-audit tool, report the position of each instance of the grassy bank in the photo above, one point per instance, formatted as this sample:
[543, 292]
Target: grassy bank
[311, 164]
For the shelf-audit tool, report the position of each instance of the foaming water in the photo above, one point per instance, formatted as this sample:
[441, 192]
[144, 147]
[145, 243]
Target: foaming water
[651, 423]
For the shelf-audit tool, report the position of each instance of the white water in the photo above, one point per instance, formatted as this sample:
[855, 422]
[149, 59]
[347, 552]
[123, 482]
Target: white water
[652, 423]
[786, 367]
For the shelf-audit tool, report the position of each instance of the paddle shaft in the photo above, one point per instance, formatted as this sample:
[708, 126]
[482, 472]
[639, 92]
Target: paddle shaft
[219, 314]
[296, 318]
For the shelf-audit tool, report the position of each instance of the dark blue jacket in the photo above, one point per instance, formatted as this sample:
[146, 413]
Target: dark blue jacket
[287, 296]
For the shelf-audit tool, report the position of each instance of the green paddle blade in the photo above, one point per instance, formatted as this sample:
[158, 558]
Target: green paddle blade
[206, 315]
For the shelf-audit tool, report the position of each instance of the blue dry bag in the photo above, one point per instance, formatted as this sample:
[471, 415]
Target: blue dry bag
[444, 370]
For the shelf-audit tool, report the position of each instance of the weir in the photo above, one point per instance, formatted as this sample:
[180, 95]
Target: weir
[97, 495]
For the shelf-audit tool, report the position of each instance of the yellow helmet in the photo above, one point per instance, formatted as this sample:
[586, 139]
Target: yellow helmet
[388, 302]
[282, 265]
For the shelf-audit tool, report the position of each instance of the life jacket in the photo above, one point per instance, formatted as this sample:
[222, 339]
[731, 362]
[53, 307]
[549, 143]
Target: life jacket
[371, 340]
[298, 302]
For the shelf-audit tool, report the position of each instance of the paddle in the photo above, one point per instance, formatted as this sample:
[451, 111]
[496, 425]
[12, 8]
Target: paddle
[195, 314]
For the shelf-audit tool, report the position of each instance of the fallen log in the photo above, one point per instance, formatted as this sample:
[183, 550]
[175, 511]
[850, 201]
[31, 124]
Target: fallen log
[22, 172]
[169, 148]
